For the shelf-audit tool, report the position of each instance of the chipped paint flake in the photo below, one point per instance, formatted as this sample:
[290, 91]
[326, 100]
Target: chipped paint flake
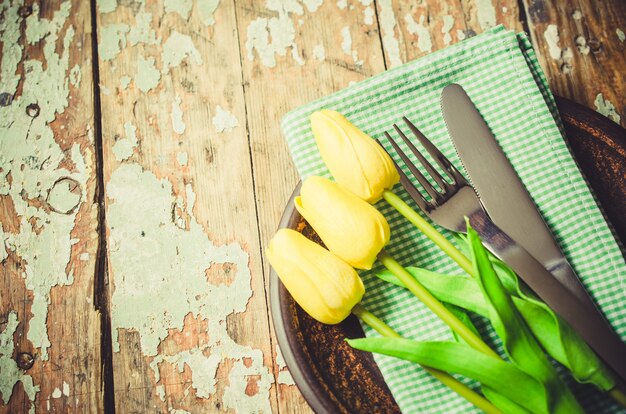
[368, 15]
[66, 389]
[10, 374]
[33, 158]
[620, 35]
[424, 42]
[151, 257]
[273, 36]
[56, 393]
[606, 108]
[83, 257]
[141, 31]
[346, 45]
[177, 116]
[319, 53]
[106, 6]
[182, 7]
[160, 391]
[312, 5]
[125, 82]
[177, 48]
[581, 44]
[148, 76]
[284, 376]
[486, 14]
[448, 24]
[124, 147]
[182, 158]
[224, 121]
[206, 10]
[577, 15]
[75, 76]
[112, 40]
[387, 20]
[551, 34]
[342, 4]
[460, 34]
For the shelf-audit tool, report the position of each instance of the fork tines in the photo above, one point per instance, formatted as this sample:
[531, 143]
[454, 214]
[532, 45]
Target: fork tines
[445, 187]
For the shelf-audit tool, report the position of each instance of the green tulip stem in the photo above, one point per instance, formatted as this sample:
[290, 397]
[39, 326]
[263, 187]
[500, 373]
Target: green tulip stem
[463, 390]
[618, 396]
[434, 305]
[432, 233]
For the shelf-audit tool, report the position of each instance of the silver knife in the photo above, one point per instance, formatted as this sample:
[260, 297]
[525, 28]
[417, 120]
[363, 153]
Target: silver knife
[500, 190]
[493, 176]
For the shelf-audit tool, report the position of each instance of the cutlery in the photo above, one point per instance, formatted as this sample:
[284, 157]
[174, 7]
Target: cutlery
[455, 199]
[500, 190]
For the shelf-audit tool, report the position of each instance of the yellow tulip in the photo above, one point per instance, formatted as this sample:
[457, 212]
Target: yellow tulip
[355, 160]
[326, 287]
[350, 227]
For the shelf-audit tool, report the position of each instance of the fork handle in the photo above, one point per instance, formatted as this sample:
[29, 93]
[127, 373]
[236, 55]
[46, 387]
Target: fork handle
[588, 322]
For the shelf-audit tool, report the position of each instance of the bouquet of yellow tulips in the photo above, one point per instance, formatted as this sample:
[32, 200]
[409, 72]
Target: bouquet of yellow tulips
[324, 282]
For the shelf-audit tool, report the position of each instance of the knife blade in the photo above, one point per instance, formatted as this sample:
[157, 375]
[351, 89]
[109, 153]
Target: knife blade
[500, 190]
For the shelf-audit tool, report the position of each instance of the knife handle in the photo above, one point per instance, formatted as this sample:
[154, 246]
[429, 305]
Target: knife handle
[589, 323]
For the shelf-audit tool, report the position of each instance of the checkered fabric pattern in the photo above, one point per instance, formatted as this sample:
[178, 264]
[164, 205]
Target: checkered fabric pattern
[500, 73]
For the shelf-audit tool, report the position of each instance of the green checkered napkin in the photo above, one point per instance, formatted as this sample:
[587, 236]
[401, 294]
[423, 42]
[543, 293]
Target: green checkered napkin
[500, 73]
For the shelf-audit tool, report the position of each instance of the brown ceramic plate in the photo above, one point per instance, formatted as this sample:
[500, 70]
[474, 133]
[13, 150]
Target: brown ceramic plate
[335, 378]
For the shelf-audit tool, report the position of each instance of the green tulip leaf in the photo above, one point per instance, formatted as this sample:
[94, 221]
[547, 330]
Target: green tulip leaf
[517, 392]
[557, 338]
[519, 343]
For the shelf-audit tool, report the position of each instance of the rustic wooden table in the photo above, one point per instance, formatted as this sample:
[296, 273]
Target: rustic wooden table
[142, 171]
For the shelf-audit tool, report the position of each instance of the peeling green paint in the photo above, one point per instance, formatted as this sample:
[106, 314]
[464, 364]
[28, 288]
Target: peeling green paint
[124, 147]
[142, 32]
[148, 75]
[3, 248]
[32, 157]
[177, 48]
[224, 121]
[106, 6]
[124, 82]
[10, 374]
[61, 198]
[284, 376]
[112, 40]
[206, 10]
[606, 108]
[182, 7]
[177, 116]
[151, 256]
[182, 158]
[75, 76]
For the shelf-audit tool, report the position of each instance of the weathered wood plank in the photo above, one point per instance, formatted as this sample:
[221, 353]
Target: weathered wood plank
[582, 49]
[294, 52]
[48, 218]
[412, 30]
[189, 315]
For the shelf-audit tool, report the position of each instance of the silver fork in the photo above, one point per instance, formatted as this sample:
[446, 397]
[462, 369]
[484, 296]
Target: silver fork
[454, 199]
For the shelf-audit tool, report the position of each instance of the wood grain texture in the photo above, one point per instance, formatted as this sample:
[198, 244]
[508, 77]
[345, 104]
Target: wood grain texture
[49, 286]
[272, 91]
[589, 57]
[184, 149]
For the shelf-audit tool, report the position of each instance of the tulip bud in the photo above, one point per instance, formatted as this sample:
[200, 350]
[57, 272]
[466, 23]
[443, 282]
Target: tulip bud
[326, 287]
[350, 227]
[355, 160]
